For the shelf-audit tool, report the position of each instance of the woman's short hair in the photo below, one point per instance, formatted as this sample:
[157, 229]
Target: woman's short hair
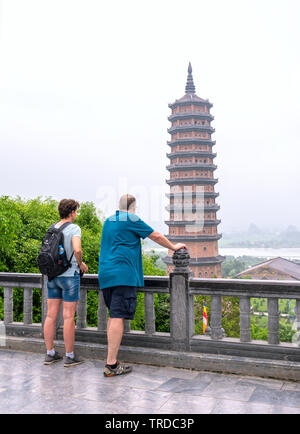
[66, 206]
[127, 202]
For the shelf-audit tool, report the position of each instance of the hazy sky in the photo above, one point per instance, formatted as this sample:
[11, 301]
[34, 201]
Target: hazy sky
[85, 87]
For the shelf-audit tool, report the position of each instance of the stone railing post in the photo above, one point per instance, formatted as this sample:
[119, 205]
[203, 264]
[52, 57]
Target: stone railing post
[44, 302]
[296, 338]
[245, 319]
[217, 331]
[127, 326]
[102, 313]
[59, 322]
[181, 302]
[149, 314]
[273, 321]
[27, 306]
[8, 305]
[82, 310]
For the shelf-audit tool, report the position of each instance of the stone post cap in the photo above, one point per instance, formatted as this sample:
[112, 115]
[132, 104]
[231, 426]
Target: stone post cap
[181, 260]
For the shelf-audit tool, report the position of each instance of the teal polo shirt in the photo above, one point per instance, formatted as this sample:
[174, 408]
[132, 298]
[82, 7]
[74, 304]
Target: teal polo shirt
[120, 261]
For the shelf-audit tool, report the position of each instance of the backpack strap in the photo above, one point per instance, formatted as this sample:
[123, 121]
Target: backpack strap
[61, 228]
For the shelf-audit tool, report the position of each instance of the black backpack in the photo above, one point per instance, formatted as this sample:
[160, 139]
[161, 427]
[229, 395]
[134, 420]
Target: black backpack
[50, 262]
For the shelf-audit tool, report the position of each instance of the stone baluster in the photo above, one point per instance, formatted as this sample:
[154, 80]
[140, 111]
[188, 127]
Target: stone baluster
[216, 317]
[296, 339]
[44, 302]
[181, 302]
[127, 326]
[102, 313]
[44, 298]
[273, 321]
[8, 305]
[81, 310]
[59, 322]
[27, 306]
[245, 319]
[149, 313]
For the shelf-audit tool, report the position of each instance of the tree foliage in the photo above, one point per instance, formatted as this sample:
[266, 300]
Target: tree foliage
[23, 225]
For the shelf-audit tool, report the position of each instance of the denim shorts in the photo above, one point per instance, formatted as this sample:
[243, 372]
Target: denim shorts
[121, 301]
[66, 288]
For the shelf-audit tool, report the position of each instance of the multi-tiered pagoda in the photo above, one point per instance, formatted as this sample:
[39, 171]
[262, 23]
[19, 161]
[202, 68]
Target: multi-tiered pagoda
[192, 195]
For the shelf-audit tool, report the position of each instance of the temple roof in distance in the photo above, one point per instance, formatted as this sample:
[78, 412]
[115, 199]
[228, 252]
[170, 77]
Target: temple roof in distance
[279, 264]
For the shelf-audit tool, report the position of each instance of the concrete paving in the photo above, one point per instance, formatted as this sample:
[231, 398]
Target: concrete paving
[28, 386]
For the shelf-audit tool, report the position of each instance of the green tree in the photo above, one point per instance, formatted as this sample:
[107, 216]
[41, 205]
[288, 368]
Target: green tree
[24, 225]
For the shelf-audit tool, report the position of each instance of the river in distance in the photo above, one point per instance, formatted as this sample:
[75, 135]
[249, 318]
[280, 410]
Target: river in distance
[261, 252]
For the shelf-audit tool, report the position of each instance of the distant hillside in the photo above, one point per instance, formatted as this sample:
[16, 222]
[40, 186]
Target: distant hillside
[255, 237]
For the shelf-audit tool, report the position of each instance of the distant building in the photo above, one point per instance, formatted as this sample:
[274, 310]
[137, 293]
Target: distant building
[191, 171]
[274, 269]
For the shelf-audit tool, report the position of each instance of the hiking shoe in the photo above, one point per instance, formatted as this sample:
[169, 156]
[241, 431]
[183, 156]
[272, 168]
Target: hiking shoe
[52, 359]
[119, 370]
[72, 362]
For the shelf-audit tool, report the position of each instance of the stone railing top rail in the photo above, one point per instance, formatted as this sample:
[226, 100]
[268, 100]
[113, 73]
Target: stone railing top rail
[215, 286]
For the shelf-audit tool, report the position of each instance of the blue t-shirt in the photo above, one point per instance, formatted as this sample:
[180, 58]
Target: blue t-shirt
[120, 261]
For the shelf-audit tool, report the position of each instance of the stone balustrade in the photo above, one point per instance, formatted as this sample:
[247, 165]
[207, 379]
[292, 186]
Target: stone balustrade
[182, 290]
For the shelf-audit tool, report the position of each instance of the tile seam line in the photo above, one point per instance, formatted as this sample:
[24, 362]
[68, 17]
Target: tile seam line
[229, 399]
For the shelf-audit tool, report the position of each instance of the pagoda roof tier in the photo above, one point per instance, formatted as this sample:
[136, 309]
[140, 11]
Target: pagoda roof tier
[188, 207]
[191, 141]
[186, 180]
[187, 115]
[188, 128]
[192, 222]
[190, 99]
[193, 153]
[191, 194]
[187, 166]
[191, 238]
[198, 261]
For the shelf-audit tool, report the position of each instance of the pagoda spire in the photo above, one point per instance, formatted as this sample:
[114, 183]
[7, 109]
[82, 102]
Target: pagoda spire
[190, 87]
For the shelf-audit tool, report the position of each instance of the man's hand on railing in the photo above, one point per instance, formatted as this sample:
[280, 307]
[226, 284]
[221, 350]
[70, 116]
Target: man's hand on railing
[179, 246]
[164, 242]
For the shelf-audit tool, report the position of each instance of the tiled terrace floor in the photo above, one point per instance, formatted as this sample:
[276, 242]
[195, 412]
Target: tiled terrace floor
[28, 386]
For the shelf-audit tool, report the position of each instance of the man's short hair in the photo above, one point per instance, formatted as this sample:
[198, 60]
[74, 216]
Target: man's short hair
[66, 206]
[127, 202]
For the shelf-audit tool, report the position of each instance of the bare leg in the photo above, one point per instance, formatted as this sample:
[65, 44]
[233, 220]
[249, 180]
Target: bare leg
[69, 310]
[49, 326]
[115, 328]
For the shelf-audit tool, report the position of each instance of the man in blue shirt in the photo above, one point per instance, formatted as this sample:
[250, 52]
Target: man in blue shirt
[121, 272]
